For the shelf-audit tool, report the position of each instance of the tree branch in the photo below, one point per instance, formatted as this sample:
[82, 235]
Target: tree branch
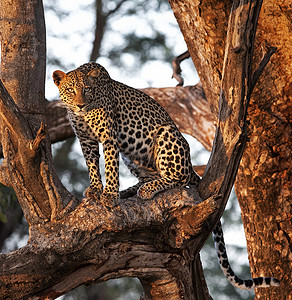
[118, 6]
[100, 23]
[26, 170]
[166, 221]
[258, 72]
[11, 115]
[231, 136]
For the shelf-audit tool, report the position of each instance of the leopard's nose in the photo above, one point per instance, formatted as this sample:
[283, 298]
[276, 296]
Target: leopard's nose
[80, 105]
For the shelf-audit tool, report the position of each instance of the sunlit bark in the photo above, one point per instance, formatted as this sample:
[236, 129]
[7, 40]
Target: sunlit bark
[264, 177]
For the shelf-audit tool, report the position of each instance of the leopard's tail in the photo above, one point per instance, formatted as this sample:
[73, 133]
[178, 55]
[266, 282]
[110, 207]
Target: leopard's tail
[195, 179]
[229, 274]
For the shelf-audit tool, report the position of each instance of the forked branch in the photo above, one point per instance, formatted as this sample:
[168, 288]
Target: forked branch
[27, 166]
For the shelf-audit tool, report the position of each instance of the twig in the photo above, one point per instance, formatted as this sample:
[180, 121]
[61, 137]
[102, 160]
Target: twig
[41, 134]
[177, 69]
[258, 72]
[118, 6]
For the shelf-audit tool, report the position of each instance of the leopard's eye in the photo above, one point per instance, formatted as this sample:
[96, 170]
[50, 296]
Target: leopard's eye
[70, 90]
[87, 89]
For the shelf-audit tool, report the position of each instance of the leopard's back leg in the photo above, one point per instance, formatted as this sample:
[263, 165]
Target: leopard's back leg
[172, 160]
[142, 173]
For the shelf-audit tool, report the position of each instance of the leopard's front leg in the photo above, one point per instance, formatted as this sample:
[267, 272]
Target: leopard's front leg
[90, 151]
[110, 193]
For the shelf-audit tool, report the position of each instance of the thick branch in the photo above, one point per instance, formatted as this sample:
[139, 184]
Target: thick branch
[234, 97]
[31, 174]
[189, 109]
[263, 175]
[23, 54]
[12, 117]
[90, 252]
[230, 135]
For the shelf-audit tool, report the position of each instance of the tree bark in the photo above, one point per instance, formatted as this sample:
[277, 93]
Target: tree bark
[264, 184]
[28, 165]
[263, 180]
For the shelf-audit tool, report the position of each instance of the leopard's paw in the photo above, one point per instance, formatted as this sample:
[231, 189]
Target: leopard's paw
[109, 199]
[92, 192]
[144, 194]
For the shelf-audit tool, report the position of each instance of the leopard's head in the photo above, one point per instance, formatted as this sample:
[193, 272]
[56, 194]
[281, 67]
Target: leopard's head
[79, 88]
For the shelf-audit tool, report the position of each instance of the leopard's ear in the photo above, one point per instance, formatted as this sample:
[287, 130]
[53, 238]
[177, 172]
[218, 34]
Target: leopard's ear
[93, 74]
[58, 76]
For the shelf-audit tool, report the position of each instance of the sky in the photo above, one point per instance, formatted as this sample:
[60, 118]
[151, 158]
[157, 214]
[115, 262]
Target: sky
[74, 49]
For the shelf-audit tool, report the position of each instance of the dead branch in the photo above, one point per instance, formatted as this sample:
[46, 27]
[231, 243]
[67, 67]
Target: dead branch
[177, 69]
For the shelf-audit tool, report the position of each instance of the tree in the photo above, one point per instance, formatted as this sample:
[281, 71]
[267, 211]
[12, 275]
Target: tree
[263, 180]
[50, 210]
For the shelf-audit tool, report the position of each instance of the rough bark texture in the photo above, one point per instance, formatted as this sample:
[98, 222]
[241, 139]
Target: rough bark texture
[265, 173]
[17, 23]
[25, 168]
[264, 184]
[93, 244]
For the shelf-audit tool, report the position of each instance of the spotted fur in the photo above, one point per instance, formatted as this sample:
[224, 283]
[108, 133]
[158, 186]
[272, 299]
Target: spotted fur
[128, 121]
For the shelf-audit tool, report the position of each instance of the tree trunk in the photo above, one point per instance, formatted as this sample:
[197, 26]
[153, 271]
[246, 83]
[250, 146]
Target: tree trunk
[100, 23]
[28, 164]
[264, 176]
[263, 184]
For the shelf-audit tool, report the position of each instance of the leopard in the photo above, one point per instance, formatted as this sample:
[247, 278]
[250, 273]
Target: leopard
[128, 122]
